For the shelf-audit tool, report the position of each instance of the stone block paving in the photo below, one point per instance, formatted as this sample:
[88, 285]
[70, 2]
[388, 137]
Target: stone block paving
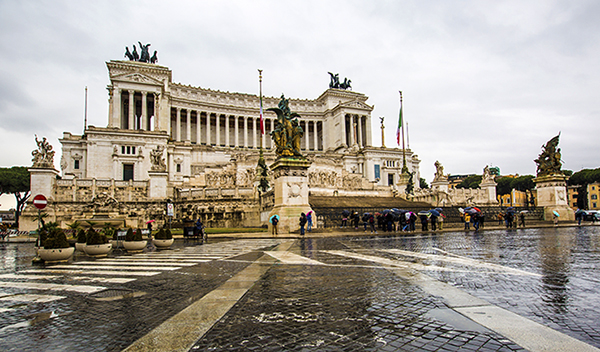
[346, 307]
[564, 294]
[83, 322]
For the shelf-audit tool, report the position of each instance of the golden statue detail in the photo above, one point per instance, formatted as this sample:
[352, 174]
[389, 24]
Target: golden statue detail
[288, 133]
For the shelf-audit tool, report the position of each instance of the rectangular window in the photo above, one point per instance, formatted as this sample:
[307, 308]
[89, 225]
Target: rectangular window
[76, 164]
[128, 150]
[594, 205]
[122, 149]
[594, 196]
[132, 150]
[178, 167]
[127, 172]
[377, 171]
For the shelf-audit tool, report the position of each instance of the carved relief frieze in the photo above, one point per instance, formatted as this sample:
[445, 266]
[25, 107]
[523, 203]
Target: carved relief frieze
[286, 171]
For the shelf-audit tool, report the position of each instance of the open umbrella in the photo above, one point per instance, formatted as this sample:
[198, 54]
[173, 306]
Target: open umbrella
[461, 210]
[150, 221]
[309, 212]
[580, 212]
[524, 212]
[434, 212]
[273, 216]
[472, 210]
[424, 213]
[555, 213]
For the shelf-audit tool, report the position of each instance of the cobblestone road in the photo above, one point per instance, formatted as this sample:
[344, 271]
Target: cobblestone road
[321, 294]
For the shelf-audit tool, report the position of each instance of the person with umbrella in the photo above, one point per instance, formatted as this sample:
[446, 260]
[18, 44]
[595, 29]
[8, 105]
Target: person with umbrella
[309, 221]
[274, 221]
[345, 214]
[467, 221]
[149, 223]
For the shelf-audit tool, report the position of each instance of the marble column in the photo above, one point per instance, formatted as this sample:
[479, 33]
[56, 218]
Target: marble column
[316, 135]
[144, 119]
[352, 127]
[218, 129]
[188, 125]
[117, 119]
[254, 144]
[245, 131]
[227, 130]
[156, 126]
[207, 128]
[198, 129]
[306, 138]
[360, 139]
[131, 126]
[271, 139]
[178, 126]
[236, 131]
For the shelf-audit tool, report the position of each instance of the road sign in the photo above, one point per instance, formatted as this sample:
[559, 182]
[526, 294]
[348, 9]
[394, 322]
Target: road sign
[40, 201]
[170, 210]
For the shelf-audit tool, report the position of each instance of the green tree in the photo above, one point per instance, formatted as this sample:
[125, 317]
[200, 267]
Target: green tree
[504, 185]
[472, 181]
[16, 181]
[423, 183]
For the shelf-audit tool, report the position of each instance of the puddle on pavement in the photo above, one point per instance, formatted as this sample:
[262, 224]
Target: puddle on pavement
[456, 320]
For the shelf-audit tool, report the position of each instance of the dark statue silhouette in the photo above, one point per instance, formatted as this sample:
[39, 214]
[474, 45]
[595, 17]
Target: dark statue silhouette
[145, 54]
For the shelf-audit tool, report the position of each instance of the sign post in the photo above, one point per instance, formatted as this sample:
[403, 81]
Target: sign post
[40, 202]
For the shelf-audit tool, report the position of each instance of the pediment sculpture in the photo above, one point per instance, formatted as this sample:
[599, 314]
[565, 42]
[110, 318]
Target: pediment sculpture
[43, 156]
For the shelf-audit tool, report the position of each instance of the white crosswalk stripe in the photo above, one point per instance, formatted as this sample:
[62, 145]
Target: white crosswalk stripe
[114, 270]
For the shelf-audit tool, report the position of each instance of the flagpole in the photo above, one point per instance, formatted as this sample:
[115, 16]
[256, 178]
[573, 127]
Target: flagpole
[404, 168]
[85, 113]
[262, 127]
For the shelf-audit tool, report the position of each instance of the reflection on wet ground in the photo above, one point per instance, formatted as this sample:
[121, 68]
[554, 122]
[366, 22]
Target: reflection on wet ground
[322, 294]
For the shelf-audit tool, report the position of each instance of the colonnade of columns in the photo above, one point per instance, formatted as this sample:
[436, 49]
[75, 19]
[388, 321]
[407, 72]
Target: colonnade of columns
[356, 130]
[217, 129]
[134, 110]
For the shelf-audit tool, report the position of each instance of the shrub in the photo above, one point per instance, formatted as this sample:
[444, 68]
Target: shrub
[81, 236]
[94, 237]
[129, 235]
[138, 235]
[163, 234]
[56, 238]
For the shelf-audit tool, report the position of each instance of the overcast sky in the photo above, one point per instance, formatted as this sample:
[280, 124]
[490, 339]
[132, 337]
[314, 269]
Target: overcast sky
[484, 82]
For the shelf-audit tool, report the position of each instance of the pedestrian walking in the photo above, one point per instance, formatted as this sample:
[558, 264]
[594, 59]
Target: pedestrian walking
[355, 220]
[475, 220]
[309, 221]
[522, 219]
[467, 222]
[372, 224]
[500, 219]
[302, 223]
[274, 221]
[345, 214]
[555, 219]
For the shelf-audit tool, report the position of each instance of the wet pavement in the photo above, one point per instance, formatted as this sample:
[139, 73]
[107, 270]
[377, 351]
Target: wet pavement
[424, 292]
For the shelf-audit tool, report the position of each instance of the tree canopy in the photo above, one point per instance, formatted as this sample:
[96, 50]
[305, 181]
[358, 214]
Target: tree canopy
[521, 183]
[585, 177]
[472, 181]
[16, 181]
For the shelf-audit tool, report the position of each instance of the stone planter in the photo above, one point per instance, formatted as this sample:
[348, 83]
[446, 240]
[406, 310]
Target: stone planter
[134, 246]
[79, 246]
[56, 255]
[97, 250]
[163, 244]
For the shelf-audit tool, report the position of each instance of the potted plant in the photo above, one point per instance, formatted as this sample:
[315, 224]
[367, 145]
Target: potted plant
[163, 239]
[55, 246]
[134, 242]
[81, 238]
[96, 244]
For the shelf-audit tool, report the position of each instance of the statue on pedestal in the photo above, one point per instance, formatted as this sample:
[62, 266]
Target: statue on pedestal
[43, 157]
[287, 134]
[157, 160]
[549, 161]
[439, 172]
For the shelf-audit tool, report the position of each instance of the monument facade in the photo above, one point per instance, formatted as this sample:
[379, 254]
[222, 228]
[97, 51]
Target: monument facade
[200, 147]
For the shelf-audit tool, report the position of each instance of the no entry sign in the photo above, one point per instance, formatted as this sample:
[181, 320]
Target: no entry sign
[40, 201]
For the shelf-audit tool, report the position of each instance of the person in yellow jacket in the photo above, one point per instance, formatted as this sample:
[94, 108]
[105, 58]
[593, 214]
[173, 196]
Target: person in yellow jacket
[467, 222]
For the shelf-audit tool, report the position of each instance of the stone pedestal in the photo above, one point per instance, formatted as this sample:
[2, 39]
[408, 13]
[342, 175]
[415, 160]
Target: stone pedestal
[290, 187]
[157, 187]
[42, 181]
[489, 186]
[552, 195]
